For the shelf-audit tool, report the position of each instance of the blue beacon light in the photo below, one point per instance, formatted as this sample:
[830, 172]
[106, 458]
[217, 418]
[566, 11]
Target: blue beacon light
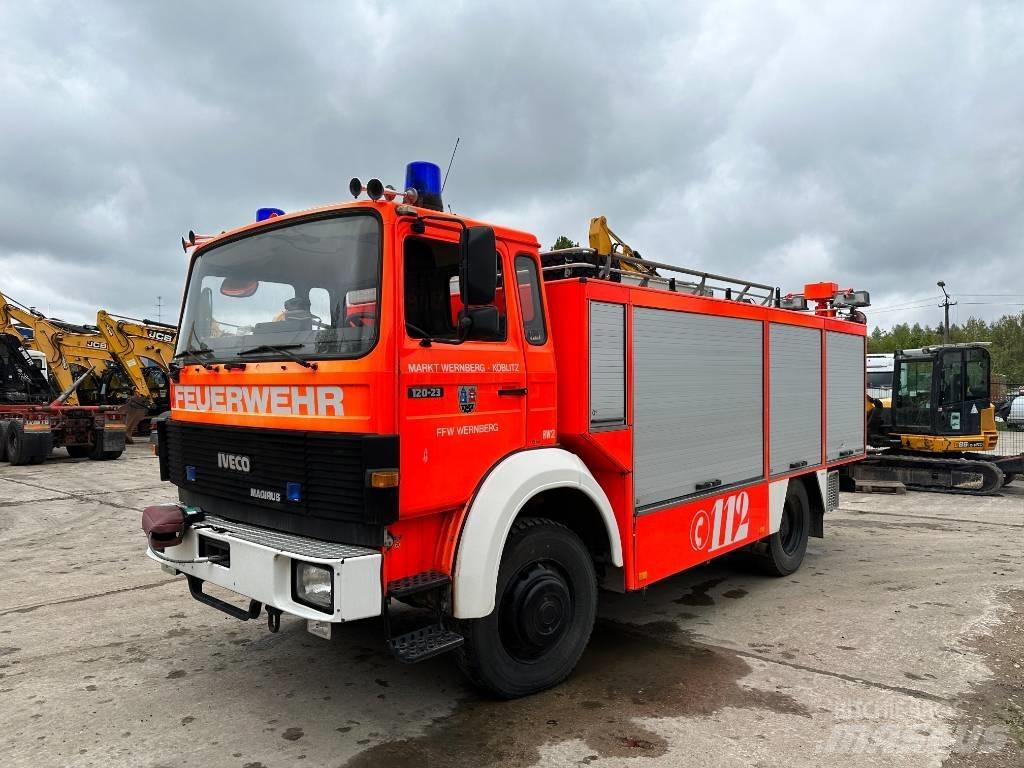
[425, 178]
[262, 214]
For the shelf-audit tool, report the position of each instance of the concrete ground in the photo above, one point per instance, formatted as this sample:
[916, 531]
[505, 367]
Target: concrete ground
[899, 643]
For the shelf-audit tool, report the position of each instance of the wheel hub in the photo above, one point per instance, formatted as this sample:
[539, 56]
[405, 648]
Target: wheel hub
[536, 610]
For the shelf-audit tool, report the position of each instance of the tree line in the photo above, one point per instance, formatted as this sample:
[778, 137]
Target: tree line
[1006, 335]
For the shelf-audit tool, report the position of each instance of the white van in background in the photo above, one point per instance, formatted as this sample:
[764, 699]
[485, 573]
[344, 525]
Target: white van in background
[879, 370]
[39, 358]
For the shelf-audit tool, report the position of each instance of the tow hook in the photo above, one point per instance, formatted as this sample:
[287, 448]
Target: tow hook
[273, 619]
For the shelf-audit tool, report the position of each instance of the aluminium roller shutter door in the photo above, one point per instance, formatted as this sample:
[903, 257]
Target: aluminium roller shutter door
[697, 403]
[794, 412]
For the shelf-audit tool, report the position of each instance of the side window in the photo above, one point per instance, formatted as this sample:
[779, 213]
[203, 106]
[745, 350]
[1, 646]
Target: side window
[530, 300]
[952, 378]
[432, 301]
[978, 386]
[320, 305]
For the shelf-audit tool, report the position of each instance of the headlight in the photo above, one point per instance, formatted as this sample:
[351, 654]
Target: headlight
[313, 585]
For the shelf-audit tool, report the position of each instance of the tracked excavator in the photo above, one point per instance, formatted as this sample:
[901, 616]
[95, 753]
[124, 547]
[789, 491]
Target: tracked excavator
[937, 432]
[145, 349]
[76, 352]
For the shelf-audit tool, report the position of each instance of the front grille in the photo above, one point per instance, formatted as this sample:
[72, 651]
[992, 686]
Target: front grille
[330, 467]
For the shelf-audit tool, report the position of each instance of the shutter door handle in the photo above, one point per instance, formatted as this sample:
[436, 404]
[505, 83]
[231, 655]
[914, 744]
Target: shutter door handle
[512, 392]
[708, 484]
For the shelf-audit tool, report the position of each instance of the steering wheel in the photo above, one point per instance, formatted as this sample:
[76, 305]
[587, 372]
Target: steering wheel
[358, 319]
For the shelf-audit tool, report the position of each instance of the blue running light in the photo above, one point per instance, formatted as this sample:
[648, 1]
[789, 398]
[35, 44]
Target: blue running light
[190, 473]
[425, 178]
[262, 214]
[294, 491]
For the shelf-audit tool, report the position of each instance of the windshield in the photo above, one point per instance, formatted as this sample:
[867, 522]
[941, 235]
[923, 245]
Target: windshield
[879, 379]
[311, 289]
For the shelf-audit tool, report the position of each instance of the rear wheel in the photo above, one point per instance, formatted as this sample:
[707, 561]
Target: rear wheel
[786, 548]
[101, 455]
[15, 442]
[1009, 477]
[545, 605]
[78, 451]
[3, 441]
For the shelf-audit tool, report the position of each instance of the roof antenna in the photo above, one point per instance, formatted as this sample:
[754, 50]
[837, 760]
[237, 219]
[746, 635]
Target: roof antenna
[457, 140]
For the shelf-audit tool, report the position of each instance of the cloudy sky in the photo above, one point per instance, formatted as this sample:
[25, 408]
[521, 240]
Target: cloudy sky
[879, 145]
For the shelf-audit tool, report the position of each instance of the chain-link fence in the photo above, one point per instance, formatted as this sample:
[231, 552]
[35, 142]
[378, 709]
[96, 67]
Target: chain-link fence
[1008, 399]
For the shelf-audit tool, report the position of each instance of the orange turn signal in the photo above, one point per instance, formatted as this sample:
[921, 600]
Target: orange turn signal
[383, 478]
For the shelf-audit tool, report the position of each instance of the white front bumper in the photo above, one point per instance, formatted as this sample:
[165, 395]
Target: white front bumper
[261, 568]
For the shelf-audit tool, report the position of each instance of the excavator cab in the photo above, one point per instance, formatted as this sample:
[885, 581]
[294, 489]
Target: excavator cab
[943, 392]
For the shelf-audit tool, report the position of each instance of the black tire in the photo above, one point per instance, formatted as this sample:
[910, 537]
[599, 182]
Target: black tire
[786, 548]
[78, 451]
[97, 455]
[15, 442]
[544, 612]
[3, 440]
[1009, 477]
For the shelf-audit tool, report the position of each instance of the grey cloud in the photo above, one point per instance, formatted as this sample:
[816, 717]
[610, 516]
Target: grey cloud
[876, 145]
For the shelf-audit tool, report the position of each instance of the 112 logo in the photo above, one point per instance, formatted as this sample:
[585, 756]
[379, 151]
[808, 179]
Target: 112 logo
[726, 524]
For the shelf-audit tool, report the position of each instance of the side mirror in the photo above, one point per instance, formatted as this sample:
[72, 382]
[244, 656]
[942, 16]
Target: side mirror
[478, 269]
[483, 322]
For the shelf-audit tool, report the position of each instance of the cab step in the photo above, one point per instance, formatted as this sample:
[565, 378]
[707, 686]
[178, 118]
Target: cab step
[425, 581]
[424, 643]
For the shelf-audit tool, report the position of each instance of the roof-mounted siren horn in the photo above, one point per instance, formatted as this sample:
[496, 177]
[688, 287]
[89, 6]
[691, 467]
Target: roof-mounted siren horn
[375, 190]
[195, 240]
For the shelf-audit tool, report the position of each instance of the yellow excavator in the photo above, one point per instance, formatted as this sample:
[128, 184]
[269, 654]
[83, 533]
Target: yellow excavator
[70, 349]
[145, 349]
[607, 245]
[937, 432]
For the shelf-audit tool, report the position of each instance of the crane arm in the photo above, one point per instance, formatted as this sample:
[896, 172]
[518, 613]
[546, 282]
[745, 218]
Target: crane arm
[606, 243]
[136, 344]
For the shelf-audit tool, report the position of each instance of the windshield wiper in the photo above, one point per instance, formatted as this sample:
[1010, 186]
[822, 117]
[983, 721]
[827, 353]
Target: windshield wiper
[282, 350]
[194, 353]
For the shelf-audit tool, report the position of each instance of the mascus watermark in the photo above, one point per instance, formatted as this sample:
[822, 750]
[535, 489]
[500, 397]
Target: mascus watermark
[913, 738]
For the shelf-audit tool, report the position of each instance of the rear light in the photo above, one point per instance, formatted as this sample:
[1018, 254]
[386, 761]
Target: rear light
[313, 585]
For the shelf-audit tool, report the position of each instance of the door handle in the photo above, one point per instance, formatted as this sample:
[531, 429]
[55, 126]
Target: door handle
[512, 392]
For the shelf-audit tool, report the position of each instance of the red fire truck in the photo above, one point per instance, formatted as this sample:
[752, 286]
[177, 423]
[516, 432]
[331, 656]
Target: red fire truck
[378, 403]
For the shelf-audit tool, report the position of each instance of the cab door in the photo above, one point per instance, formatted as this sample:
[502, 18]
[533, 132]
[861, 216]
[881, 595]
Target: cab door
[963, 392]
[462, 406]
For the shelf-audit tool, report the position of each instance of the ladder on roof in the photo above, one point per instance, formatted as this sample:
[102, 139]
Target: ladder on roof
[704, 284]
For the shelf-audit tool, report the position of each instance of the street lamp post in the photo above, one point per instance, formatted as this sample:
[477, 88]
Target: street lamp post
[946, 304]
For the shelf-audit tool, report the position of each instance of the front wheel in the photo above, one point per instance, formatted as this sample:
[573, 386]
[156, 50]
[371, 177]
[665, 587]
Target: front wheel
[545, 606]
[786, 548]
